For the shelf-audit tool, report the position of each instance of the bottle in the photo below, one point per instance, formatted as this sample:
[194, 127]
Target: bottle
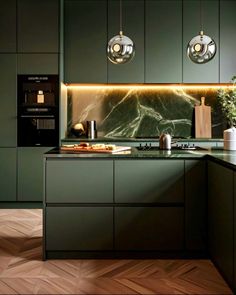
[40, 97]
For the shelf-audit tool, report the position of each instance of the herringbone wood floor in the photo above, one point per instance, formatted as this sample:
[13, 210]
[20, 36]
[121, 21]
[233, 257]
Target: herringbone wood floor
[23, 272]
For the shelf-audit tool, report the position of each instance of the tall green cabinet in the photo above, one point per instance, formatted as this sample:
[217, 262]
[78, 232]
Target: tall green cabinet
[8, 149]
[29, 44]
[8, 100]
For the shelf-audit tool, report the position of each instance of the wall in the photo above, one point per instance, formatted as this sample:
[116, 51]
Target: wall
[141, 111]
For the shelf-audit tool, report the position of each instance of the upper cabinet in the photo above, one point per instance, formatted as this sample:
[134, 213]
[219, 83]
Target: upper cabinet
[38, 26]
[85, 38]
[133, 27]
[227, 40]
[8, 26]
[160, 30]
[37, 63]
[200, 73]
[163, 50]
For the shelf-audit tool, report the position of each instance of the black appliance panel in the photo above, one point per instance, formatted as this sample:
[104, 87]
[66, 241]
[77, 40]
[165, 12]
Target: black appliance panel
[38, 110]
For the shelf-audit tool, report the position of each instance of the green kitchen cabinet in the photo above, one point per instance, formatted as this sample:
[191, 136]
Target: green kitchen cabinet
[208, 72]
[227, 42]
[8, 100]
[133, 27]
[220, 218]
[30, 173]
[149, 228]
[38, 26]
[8, 174]
[149, 181]
[195, 205]
[79, 228]
[38, 63]
[8, 26]
[85, 38]
[163, 41]
[79, 181]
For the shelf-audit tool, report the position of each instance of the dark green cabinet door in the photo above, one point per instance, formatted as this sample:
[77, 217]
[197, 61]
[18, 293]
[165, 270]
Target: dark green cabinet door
[163, 36]
[37, 64]
[79, 228]
[227, 42]
[220, 218]
[195, 204]
[133, 27]
[209, 72]
[8, 174]
[38, 25]
[30, 173]
[8, 26]
[8, 100]
[85, 39]
[149, 181]
[145, 228]
[79, 181]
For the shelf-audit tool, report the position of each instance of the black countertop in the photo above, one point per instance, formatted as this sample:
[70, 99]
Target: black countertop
[227, 158]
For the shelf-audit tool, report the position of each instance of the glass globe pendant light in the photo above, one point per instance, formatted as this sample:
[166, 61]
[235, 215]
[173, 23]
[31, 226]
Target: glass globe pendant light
[120, 48]
[201, 48]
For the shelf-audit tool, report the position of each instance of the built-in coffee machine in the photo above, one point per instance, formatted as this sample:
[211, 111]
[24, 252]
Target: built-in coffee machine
[38, 110]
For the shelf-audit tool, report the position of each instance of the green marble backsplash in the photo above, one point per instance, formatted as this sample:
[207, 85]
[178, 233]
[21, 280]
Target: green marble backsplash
[131, 112]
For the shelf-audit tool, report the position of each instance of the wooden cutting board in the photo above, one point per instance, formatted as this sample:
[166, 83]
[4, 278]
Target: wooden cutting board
[203, 120]
[90, 150]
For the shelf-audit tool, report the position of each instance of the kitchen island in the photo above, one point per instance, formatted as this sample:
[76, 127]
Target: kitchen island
[141, 204]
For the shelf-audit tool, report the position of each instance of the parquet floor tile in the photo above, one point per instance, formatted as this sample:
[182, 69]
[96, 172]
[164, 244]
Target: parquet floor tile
[22, 270]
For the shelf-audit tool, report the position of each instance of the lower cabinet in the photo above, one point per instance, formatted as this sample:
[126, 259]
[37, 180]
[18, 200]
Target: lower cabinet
[8, 174]
[79, 181]
[30, 173]
[220, 218]
[145, 228]
[195, 205]
[124, 205]
[79, 228]
[149, 181]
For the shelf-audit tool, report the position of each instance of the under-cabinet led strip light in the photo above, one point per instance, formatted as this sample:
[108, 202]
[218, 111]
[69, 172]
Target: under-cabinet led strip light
[148, 86]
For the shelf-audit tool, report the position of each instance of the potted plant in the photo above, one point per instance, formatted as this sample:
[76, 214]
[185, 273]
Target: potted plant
[227, 100]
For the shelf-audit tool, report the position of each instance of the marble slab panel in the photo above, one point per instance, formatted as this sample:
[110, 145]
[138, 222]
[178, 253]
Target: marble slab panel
[135, 112]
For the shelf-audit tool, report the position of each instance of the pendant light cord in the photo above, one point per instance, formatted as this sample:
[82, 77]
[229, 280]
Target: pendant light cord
[121, 31]
[201, 25]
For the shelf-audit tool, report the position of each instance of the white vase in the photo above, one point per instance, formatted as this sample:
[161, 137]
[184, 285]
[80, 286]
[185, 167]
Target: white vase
[230, 139]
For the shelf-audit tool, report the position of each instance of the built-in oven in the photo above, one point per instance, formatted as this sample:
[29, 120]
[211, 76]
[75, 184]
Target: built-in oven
[38, 110]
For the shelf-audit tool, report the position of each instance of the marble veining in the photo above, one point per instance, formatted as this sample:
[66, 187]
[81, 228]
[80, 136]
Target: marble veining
[131, 112]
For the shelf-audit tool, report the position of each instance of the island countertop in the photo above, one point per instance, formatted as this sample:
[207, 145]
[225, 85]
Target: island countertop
[227, 158]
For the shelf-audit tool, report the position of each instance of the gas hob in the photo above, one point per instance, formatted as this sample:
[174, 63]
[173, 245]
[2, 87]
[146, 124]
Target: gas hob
[187, 147]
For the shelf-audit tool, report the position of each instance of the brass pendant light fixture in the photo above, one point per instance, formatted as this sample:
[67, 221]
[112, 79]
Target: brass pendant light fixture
[120, 48]
[202, 48]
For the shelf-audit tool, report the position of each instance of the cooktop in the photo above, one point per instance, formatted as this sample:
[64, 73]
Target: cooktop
[150, 147]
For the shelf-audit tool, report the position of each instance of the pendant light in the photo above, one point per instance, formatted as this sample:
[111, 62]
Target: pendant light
[201, 48]
[120, 48]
